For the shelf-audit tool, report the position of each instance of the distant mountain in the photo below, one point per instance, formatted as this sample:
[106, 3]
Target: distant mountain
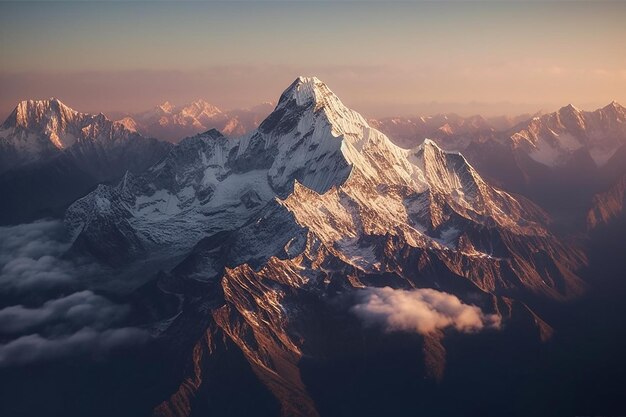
[270, 239]
[51, 154]
[550, 139]
[450, 131]
[503, 123]
[554, 138]
[559, 159]
[172, 123]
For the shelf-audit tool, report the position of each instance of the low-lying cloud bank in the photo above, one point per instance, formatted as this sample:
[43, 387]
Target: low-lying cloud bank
[420, 311]
[30, 257]
[75, 321]
[77, 310]
[34, 347]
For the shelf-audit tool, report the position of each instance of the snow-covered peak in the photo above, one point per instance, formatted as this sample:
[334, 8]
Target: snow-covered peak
[35, 113]
[552, 139]
[304, 90]
[166, 107]
[429, 142]
[310, 100]
[199, 109]
[446, 172]
[38, 129]
[205, 105]
[570, 108]
[129, 123]
[307, 92]
[615, 107]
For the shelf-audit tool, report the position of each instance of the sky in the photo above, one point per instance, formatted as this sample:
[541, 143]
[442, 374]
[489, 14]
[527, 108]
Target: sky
[382, 59]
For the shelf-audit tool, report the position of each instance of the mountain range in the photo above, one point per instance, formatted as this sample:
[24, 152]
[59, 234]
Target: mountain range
[173, 123]
[550, 139]
[286, 229]
[312, 266]
[51, 154]
[559, 160]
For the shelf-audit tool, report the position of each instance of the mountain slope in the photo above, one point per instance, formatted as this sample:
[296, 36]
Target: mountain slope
[282, 231]
[608, 205]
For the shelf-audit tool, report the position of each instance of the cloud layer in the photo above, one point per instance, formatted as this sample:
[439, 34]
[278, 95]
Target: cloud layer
[421, 311]
[34, 347]
[50, 316]
[77, 310]
[30, 257]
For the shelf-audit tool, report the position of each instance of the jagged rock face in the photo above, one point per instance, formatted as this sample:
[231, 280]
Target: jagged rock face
[284, 226]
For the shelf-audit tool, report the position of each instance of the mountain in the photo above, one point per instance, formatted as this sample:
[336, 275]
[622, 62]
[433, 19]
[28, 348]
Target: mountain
[553, 138]
[172, 123]
[550, 139]
[450, 131]
[51, 154]
[504, 123]
[282, 242]
[559, 160]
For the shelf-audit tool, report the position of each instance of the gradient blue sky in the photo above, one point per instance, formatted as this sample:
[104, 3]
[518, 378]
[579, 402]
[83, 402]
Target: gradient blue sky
[380, 58]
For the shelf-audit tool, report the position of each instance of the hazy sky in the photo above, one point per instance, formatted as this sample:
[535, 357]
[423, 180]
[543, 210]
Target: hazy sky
[380, 58]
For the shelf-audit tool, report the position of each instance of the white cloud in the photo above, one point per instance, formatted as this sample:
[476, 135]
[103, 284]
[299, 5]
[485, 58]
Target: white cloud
[31, 240]
[421, 311]
[30, 256]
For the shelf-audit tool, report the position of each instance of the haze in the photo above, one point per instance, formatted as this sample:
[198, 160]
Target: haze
[408, 58]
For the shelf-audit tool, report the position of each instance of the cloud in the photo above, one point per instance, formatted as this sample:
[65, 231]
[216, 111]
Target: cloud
[24, 273]
[34, 348]
[31, 240]
[31, 263]
[30, 256]
[74, 311]
[421, 311]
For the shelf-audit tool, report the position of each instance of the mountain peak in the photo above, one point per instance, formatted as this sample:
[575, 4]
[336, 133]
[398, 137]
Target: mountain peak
[51, 103]
[166, 107]
[129, 123]
[200, 108]
[429, 143]
[201, 103]
[31, 113]
[308, 98]
[614, 105]
[37, 126]
[570, 108]
[213, 134]
[305, 90]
